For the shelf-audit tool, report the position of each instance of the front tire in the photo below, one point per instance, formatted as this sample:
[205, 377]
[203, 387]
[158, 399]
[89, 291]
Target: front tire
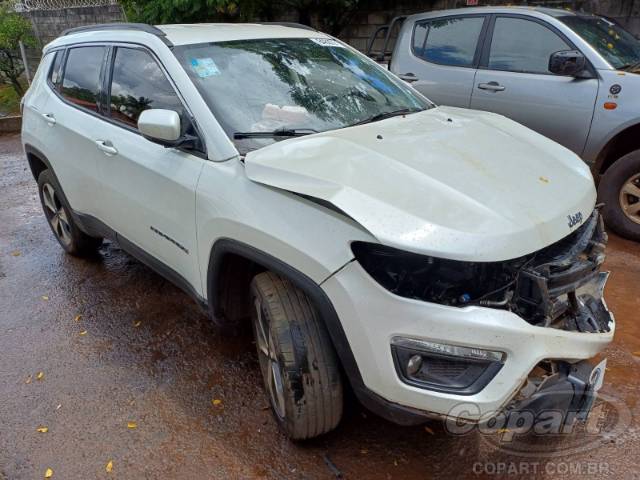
[298, 363]
[619, 190]
[73, 240]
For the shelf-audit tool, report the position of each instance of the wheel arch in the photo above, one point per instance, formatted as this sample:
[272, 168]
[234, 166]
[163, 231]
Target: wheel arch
[245, 261]
[229, 250]
[38, 161]
[621, 143]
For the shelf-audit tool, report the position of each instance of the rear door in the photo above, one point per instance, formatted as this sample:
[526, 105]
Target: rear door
[148, 190]
[513, 79]
[441, 58]
[73, 118]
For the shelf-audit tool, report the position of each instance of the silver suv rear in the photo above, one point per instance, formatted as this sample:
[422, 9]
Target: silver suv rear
[572, 77]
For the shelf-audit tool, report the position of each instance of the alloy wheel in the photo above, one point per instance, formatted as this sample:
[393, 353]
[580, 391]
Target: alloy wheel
[630, 198]
[269, 363]
[56, 214]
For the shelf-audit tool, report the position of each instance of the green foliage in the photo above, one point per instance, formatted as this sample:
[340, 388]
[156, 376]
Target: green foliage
[9, 100]
[328, 15]
[13, 29]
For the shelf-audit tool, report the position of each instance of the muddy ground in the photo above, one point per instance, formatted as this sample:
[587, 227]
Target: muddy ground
[150, 356]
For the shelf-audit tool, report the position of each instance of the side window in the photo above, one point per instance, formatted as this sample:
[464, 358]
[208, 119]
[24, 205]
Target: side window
[520, 45]
[448, 41]
[138, 84]
[81, 78]
[54, 73]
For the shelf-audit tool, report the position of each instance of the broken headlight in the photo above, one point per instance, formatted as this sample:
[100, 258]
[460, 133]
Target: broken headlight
[437, 280]
[558, 286]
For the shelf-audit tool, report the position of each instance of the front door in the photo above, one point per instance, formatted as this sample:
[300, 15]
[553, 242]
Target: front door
[148, 190]
[442, 60]
[514, 80]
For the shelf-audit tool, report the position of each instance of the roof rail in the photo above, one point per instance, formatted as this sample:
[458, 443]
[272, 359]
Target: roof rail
[288, 24]
[140, 27]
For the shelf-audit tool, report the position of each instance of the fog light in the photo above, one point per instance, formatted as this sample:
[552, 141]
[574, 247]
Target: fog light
[414, 364]
[443, 367]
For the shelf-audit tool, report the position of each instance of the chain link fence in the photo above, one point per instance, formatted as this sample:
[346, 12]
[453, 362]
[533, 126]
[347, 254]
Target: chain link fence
[38, 5]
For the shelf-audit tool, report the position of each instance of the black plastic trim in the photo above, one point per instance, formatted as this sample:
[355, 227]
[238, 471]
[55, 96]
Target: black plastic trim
[95, 227]
[491, 370]
[389, 410]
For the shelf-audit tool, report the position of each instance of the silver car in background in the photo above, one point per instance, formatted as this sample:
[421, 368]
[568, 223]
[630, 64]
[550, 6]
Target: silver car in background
[570, 76]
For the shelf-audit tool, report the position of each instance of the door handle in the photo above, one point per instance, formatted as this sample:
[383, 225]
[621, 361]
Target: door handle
[106, 147]
[408, 77]
[49, 118]
[491, 86]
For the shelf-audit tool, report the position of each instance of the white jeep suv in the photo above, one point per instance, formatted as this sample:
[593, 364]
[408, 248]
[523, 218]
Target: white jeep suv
[427, 257]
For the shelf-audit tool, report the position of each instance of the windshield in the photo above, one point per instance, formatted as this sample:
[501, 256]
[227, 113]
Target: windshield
[615, 44]
[302, 84]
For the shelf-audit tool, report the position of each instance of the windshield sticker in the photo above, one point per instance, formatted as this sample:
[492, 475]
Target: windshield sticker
[204, 67]
[327, 42]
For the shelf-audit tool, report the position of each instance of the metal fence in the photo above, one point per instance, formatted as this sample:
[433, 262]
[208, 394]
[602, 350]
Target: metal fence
[37, 5]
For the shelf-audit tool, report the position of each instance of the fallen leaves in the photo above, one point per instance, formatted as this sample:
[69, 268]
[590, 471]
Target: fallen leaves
[28, 380]
[42, 429]
[137, 323]
[77, 318]
[109, 466]
[59, 406]
[48, 473]
[45, 297]
[131, 425]
[15, 253]
[216, 402]
[40, 376]
[82, 333]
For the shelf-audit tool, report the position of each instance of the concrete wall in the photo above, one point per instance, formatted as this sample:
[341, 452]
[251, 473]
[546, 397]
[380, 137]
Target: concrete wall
[49, 24]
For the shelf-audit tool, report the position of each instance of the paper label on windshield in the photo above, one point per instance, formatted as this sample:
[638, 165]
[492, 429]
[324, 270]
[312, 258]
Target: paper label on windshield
[204, 67]
[327, 42]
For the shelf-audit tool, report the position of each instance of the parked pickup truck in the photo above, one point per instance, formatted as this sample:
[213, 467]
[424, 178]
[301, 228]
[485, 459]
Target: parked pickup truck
[572, 77]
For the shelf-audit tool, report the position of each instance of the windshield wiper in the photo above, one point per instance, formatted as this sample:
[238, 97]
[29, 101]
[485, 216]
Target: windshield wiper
[630, 66]
[383, 115]
[281, 132]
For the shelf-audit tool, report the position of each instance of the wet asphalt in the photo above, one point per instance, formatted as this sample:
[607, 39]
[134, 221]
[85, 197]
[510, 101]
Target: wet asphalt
[130, 367]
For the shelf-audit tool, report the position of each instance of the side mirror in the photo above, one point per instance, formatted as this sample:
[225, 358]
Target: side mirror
[567, 62]
[160, 126]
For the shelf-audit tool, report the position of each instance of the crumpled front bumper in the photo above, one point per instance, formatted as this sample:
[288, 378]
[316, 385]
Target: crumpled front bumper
[371, 317]
[570, 391]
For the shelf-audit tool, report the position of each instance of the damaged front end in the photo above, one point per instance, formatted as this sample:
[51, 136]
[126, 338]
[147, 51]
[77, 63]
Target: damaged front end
[559, 286]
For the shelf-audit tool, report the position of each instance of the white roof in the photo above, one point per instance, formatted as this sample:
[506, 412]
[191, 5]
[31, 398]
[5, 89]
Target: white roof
[222, 32]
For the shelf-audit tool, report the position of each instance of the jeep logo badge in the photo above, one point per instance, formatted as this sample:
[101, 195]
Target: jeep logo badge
[574, 219]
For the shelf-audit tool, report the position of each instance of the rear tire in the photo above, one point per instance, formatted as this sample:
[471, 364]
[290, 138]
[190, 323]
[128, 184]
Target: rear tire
[73, 240]
[619, 190]
[298, 363]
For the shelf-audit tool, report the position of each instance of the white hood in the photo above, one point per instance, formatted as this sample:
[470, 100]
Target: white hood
[446, 182]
